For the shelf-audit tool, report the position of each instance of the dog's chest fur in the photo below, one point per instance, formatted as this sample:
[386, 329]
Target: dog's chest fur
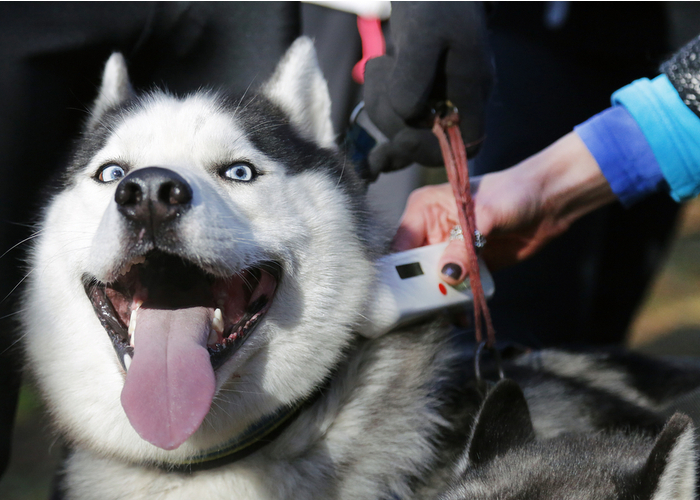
[374, 434]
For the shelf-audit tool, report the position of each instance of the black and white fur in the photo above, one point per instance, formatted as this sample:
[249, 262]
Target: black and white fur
[395, 413]
[504, 459]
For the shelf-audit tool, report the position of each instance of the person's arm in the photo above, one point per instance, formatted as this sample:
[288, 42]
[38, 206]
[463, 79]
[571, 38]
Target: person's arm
[518, 210]
[648, 141]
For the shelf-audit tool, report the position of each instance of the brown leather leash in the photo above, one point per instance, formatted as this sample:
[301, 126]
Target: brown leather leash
[454, 153]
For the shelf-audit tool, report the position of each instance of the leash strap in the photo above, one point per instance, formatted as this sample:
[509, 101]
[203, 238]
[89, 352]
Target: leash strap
[454, 153]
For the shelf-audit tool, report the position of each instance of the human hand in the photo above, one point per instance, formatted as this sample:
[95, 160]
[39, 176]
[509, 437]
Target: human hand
[440, 53]
[518, 210]
[509, 224]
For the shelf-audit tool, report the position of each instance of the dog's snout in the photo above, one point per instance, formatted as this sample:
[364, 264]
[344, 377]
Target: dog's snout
[152, 196]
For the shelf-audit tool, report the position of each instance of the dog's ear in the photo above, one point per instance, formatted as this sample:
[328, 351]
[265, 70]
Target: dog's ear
[669, 472]
[299, 88]
[115, 89]
[503, 423]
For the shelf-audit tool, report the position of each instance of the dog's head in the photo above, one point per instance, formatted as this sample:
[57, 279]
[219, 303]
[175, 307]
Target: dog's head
[202, 268]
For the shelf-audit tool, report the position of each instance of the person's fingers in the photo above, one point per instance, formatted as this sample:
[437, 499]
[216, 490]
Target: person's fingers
[408, 235]
[454, 263]
[412, 228]
[429, 216]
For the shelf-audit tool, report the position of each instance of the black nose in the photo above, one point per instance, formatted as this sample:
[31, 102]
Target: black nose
[153, 196]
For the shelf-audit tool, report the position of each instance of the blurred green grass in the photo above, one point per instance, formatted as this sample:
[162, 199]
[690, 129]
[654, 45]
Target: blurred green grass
[35, 453]
[669, 319]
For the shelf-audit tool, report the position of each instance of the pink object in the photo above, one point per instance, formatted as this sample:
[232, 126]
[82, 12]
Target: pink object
[373, 45]
[170, 383]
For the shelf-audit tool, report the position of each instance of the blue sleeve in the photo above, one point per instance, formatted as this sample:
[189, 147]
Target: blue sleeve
[671, 129]
[623, 154]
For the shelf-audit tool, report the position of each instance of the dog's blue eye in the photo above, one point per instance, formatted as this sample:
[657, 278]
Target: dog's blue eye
[239, 172]
[110, 173]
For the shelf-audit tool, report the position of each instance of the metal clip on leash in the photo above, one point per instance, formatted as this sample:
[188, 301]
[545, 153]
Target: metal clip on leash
[446, 128]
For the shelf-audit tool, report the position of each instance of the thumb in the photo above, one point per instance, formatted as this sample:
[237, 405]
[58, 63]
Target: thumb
[454, 263]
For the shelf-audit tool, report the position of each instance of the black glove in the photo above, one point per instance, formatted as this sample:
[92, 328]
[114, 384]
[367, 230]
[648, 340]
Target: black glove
[439, 52]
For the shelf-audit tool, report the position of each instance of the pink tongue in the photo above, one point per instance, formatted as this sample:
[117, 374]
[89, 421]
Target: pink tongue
[170, 383]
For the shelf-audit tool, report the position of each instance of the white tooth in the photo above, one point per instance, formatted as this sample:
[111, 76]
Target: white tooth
[218, 322]
[127, 361]
[132, 326]
[137, 260]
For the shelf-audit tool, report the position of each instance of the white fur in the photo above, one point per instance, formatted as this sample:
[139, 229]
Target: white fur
[299, 88]
[338, 449]
[229, 227]
[595, 373]
[115, 87]
[677, 481]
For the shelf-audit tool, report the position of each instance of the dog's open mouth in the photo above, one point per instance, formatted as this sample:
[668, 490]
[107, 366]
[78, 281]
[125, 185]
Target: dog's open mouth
[172, 325]
[161, 281]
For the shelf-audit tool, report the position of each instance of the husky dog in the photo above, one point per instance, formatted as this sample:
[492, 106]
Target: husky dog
[194, 310]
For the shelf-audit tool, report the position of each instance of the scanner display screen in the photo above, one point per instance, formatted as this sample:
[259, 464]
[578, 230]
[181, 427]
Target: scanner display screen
[409, 270]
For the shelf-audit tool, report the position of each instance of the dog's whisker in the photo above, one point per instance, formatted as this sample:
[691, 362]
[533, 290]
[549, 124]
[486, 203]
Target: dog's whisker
[239, 391]
[246, 281]
[29, 225]
[215, 403]
[13, 344]
[16, 286]
[20, 243]
[264, 127]
[240, 101]
[15, 313]
[342, 171]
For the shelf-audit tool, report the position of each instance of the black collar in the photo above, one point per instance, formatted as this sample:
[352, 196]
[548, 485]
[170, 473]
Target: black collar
[257, 435]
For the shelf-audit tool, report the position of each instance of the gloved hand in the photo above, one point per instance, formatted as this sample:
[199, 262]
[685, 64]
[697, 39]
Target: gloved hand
[440, 52]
